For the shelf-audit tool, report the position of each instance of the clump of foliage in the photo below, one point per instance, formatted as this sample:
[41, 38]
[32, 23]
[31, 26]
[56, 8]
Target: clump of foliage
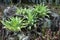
[28, 14]
[14, 24]
[21, 11]
[41, 10]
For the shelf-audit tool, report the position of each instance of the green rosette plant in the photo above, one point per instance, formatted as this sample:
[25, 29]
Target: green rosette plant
[41, 10]
[14, 24]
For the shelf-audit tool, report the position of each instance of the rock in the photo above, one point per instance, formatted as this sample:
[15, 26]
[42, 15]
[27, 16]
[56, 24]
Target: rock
[10, 38]
[26, 38]
[9, 12]
[47, 23]
[55, 22]
[21, 36]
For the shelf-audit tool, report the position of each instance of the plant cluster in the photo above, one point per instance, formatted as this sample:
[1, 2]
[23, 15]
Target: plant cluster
[35, 23]
[29, 17]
